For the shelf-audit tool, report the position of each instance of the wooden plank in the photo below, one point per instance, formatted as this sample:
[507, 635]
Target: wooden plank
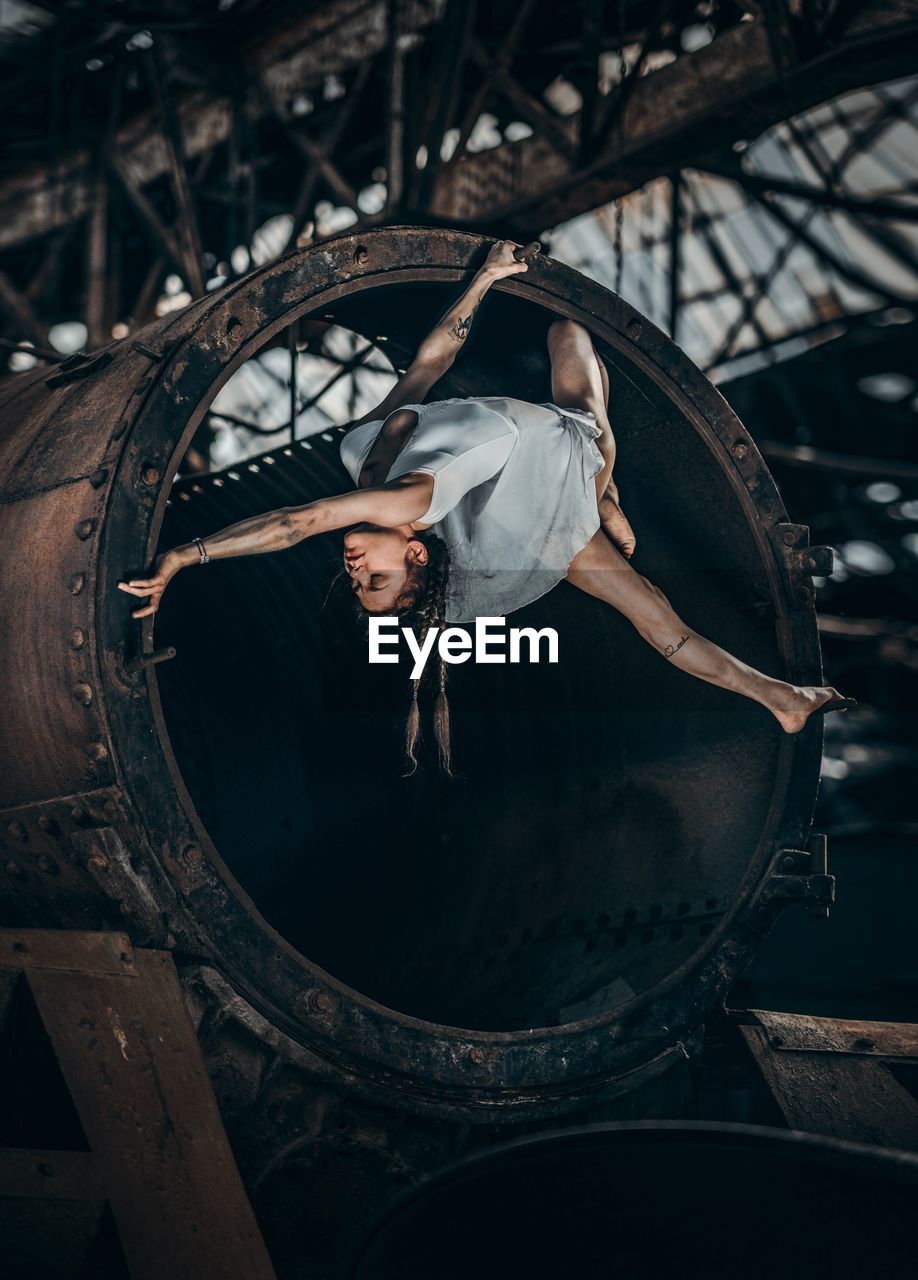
[51, 1175]
[842, 1094]
[132, 1062]
[66, 951]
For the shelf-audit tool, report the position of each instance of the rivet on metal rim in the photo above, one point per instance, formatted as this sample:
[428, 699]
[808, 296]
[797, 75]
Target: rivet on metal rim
[83, 694]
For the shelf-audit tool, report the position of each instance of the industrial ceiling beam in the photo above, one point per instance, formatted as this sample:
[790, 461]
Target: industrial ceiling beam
[677, 116]
[290, 58]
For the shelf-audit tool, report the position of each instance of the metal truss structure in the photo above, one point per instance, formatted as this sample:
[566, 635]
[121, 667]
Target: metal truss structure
[156, 152]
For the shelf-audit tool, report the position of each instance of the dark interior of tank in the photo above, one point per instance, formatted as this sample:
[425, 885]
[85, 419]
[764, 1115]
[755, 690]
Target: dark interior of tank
[606, 807]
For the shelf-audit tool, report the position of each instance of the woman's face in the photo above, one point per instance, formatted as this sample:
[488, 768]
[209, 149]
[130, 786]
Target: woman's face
[379, 561]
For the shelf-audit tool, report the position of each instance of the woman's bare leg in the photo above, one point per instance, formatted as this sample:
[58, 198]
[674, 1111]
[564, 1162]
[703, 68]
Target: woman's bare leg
[601, 571]
[579, 381]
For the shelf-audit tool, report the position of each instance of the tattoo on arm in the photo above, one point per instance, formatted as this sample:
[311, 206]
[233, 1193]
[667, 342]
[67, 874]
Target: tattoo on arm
[460, 330]
[674, 648]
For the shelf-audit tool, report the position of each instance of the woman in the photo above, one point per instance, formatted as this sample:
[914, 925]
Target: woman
[520, 495]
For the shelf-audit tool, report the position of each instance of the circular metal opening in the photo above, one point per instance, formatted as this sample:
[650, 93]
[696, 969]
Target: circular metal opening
[610, 808]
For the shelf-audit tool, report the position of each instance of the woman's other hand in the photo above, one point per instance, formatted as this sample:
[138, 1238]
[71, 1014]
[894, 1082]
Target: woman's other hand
[165, 567]
[500, 262]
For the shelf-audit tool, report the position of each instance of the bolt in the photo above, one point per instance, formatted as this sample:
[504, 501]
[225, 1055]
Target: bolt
[97, 862]
[84, 529]
[78, 814]
[77, 638]
[149, 474]
[322, 1001]
[83, 694]
[17, 830]
[77, 583]
[740, 450]
[125, 908]
[191, 854]
[788, 862]
[788, 537]
[98, 478]
[361, 256]
[476, 1055]
[634, 330]
[97, 751]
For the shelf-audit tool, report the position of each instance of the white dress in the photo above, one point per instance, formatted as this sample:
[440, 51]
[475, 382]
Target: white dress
[514, 495]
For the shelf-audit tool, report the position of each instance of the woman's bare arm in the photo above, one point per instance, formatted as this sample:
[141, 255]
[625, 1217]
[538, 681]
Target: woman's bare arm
[441, 346]
[397, 502]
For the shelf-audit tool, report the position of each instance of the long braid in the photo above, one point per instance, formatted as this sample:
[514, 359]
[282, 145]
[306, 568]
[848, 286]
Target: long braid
[429, 609]
[423, 605]
[412, 729]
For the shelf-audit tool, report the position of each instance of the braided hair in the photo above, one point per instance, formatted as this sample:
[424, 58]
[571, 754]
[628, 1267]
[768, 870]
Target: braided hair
[423, 604]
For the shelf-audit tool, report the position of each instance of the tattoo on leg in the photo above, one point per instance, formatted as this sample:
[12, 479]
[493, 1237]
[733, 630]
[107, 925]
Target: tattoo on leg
[674, 648]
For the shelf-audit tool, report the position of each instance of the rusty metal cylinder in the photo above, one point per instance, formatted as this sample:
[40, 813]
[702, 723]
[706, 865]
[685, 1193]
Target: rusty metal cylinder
[554, 923]
[657, 1201]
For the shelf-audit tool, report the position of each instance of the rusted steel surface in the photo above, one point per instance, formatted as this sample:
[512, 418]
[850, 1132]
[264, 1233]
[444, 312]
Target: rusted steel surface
[846, 1079]
[128, 1061]
[99, 828]
[655, 1200]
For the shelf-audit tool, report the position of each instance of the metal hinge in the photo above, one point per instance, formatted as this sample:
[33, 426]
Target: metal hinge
[799, 875]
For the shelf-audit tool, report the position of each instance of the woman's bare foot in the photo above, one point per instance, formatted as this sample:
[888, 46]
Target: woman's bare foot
[793, 708]
[614, 522]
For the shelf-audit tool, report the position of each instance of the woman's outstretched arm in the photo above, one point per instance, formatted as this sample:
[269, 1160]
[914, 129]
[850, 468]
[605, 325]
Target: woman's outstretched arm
[441, 346]
[397, 502]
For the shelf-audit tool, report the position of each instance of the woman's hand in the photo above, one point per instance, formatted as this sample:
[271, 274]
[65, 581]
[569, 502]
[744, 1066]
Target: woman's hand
[500, 262]
[165, 567]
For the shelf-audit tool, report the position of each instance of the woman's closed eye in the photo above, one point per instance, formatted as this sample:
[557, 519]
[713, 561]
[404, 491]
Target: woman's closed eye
[377, 582]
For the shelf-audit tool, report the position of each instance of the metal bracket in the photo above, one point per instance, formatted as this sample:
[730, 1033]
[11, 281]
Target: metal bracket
[151, 353]
[800, 876]
[801, 561]
[79, 365]
[143, 661]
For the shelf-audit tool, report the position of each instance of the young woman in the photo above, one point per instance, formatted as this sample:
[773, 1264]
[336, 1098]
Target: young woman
[478, 506]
